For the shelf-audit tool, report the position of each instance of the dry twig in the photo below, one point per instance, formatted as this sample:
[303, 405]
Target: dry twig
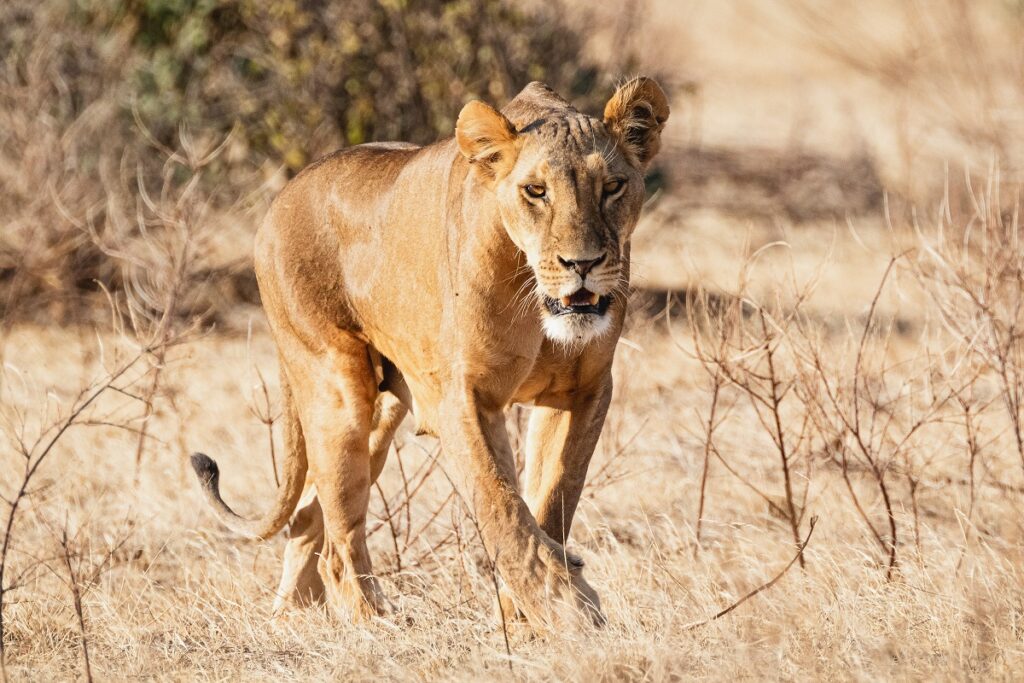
[763, 587]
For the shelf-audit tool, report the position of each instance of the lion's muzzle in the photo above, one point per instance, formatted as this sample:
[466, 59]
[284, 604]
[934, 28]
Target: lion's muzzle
[580, 302]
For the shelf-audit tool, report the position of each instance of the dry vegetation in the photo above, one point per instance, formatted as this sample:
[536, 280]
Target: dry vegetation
[827, 333]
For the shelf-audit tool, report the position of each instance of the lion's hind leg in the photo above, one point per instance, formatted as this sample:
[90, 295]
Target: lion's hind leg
[335, 391]
[301, 584]
[388, 413]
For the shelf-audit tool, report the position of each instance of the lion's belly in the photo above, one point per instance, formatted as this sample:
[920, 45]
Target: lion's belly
[422, 400]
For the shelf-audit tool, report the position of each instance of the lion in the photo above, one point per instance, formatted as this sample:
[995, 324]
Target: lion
[452, 281]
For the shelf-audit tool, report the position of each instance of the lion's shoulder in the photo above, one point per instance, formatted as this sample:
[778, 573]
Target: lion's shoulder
[356, 155]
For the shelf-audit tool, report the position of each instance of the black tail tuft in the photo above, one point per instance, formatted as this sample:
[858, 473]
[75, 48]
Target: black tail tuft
[206, 469]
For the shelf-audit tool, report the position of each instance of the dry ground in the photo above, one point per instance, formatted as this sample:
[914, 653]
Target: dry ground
[177, 597]
[182, 598]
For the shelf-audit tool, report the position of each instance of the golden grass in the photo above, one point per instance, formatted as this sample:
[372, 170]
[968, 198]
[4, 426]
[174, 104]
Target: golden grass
[183, 599]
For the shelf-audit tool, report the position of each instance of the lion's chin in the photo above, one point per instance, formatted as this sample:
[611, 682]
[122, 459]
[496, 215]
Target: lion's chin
[576, 329]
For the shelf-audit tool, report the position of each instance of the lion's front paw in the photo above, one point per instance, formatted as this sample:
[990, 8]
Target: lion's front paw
[507, 610]
[563, 597]
[579, 593]
[587, 600]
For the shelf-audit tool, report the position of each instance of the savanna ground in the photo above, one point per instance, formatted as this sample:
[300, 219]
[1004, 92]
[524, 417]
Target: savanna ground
[826, 334]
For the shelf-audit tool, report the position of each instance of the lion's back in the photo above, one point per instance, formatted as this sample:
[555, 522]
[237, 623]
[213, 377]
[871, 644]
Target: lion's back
[343, 218]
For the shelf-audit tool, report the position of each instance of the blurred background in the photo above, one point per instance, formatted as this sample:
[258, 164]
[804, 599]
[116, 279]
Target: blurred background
[791, 114]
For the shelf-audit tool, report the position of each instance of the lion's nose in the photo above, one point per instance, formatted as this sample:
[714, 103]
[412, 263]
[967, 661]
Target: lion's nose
[581, 266]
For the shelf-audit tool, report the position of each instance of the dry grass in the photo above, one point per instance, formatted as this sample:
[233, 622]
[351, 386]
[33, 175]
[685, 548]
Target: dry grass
[860, 366]
[182, 598]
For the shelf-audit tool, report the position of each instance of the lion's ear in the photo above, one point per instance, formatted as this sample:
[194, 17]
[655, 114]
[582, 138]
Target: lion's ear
[487, 139]
[636, 113]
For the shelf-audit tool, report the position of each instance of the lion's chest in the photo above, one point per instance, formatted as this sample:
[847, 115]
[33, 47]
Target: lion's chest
[545, 377]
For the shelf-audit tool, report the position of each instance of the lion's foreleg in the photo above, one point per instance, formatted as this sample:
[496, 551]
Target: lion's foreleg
[541, 576]
[562, 435]
[560, 442]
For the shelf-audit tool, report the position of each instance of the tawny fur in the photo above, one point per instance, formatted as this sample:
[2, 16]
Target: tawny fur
[397, 278]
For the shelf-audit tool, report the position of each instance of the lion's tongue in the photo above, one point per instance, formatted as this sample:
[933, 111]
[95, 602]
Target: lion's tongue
[581, 297]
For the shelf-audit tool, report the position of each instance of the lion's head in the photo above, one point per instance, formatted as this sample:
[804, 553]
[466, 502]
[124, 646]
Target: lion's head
[569, 189]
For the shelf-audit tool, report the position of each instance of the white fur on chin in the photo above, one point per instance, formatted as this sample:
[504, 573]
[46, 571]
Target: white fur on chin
[576, 329]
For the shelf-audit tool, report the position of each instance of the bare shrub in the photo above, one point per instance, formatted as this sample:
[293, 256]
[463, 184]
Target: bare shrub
[744, 345]
[82, 565]
[34, 447]
[867, 408]
[972, 268]
[856, 398]
[156, 251]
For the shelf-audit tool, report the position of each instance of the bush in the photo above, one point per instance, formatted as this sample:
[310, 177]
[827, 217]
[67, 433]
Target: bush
[303, 77]
[83, 108]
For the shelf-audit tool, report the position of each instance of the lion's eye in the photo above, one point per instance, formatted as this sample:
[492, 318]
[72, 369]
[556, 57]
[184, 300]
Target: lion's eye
[613, 186]
[534, 190]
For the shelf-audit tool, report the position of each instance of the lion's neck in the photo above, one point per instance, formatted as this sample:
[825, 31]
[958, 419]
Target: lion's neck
[488, 256]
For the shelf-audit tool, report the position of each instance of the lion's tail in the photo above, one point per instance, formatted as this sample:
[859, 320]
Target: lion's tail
[288, 495]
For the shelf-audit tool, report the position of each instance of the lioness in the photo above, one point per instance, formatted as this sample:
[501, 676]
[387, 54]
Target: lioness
[452, 281]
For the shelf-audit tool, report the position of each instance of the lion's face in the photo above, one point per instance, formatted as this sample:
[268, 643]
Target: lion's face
[569, 189]
[570, 204]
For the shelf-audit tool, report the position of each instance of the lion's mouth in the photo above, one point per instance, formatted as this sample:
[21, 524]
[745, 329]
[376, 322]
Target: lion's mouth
[582, 301]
